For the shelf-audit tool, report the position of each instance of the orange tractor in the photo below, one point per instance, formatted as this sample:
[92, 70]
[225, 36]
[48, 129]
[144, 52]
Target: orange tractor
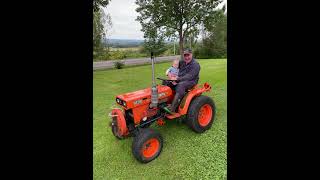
[141, 108]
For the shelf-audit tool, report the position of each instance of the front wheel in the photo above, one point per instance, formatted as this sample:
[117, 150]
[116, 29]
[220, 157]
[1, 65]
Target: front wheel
[147, 145]
[118, 124]
[201, 114]
[115, 130]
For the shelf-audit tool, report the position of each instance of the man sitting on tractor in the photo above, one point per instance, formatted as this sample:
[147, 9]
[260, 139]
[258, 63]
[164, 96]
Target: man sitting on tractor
[188, 77]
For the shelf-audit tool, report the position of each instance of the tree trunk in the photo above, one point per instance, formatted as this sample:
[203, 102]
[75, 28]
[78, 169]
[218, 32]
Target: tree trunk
[181, 44]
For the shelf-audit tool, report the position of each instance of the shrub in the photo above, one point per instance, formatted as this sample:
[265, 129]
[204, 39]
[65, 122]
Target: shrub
[118, 64]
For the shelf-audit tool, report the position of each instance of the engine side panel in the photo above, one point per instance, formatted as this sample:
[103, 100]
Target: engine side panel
[143, 97]
[143, 111]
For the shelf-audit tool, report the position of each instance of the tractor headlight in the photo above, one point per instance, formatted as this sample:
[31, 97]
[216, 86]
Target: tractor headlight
[121, 102]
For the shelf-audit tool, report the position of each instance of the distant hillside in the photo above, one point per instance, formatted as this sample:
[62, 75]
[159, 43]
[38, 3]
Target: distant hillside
[116, 43]
[123, 43]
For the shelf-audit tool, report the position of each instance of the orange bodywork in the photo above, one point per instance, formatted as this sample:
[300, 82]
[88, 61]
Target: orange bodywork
[161, 122]
[196, 91]
[139, 101]
[184, 105]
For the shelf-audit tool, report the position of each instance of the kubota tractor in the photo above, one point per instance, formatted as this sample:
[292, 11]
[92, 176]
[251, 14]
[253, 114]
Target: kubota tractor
[139, 109]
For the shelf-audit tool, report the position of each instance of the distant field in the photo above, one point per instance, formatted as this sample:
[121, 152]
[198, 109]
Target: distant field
[125, 53]
[121, 53]
[125, 49]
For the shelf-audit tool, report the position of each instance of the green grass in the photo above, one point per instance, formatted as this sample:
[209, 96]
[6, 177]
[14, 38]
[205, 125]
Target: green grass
[185, 154]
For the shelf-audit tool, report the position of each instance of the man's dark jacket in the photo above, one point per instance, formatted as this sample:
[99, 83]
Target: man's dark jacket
[189, 72]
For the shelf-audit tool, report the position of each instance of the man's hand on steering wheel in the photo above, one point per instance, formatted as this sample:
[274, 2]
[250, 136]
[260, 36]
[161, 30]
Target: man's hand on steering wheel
[173, 78]
[174, 83]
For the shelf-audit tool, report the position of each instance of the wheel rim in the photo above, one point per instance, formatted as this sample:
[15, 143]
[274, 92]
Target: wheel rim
[150, 148]
[205, 115]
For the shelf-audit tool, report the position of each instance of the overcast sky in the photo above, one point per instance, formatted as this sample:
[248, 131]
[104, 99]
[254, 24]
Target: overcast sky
[123, 17]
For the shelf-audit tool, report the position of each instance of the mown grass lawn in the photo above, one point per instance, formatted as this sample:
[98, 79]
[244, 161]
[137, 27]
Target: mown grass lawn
[185, 154]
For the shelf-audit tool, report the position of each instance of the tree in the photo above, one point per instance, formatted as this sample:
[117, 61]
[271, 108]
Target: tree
[154, 42]
[98, 31]
[191, 40]
[218, 34]
[99, 3]
[157, 46]
[177, 18]
[101, 24]
[222, 6]
[214, 39]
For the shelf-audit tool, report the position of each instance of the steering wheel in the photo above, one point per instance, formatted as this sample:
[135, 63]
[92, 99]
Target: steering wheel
[166, 79]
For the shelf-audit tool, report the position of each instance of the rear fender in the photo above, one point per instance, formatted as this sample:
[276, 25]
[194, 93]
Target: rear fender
[197, 91]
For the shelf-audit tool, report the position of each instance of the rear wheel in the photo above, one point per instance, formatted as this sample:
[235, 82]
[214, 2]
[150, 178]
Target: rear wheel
[147, 145]
[201, 114]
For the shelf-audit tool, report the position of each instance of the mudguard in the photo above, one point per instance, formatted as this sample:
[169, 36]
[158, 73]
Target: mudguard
[121, 122]
[196, 91]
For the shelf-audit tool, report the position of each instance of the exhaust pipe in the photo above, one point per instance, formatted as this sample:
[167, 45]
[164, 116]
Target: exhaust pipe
[154, 90]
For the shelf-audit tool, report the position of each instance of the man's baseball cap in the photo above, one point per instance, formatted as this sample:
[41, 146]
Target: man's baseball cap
[187, 51]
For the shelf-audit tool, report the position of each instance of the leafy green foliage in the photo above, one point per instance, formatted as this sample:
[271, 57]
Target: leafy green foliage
[98, 30]
[214, 45]
[170, 49]
[101, 24]
[118, 65]
[155, 45]
[173, 18]
[98, 3]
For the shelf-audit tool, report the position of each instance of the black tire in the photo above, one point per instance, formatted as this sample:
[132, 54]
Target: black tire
[115, 129]
[193, 112]
[139, 141]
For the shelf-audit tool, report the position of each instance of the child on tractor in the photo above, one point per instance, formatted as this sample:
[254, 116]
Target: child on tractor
[173, 71]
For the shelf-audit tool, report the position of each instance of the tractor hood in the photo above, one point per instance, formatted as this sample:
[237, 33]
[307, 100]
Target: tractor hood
[142, 97]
